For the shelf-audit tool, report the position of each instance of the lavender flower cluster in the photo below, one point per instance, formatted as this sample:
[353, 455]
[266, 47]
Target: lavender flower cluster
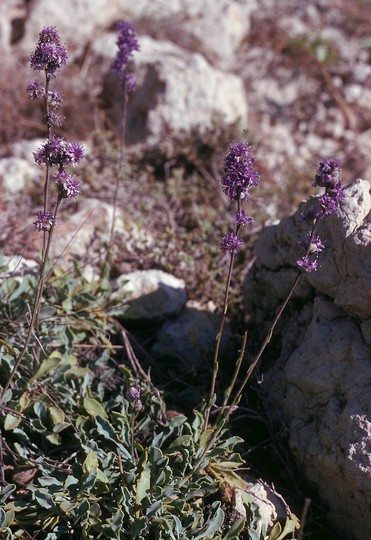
[127, 43]
[328, 177]
[133, 396]
[239, 177]
[49, 56]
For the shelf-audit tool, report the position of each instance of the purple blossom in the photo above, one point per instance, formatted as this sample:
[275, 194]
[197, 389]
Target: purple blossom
[312, 244]
[328, 177]
[134, 393]
[35, 90]
[306, 264]
[49, 54]
[242, 218]
[55, 119]
[239, 172]
[75, 151]
[44, 220]
[55, 98]
[127, 43]
[68, 185]
[328, 173]
[58, 152]
[130, 83]
[230, 243]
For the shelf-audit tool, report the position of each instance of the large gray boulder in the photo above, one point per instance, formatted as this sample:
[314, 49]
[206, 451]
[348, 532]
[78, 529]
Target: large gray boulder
[178, 90]
[321, 380]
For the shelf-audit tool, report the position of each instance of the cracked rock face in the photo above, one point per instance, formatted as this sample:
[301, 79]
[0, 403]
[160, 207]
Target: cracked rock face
[321, 380]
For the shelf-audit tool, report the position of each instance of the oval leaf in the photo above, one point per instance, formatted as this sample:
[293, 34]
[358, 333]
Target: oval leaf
[94, 408]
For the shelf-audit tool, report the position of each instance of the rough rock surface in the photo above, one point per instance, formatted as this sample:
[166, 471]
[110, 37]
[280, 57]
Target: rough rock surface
[321, 381]
[305, 68]
[15, 173]
[190, 338]
[151, 295]
[178, 90]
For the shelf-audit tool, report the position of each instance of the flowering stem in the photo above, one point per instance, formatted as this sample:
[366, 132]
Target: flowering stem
[225, 411]
[37, 301]
[266, 340]
[218, 342]
[235, 375]
[120, 166]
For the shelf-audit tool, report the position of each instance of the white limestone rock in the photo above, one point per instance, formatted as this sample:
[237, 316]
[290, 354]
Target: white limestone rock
[178, 90]
[321, 381]
[151, 295]
[16, 173]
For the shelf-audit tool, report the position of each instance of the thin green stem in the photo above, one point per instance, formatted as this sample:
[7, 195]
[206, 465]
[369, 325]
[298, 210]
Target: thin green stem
[121, 165]
[221, 329]
[36, 305]
[229, 390]
[218, 342]
[46, 189]
[226, 412]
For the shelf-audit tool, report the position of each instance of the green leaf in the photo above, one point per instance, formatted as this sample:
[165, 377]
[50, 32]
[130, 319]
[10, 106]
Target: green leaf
[67, 506]
[205, 437]
[137, 528]
[213, 524]
[12, 421]
[144, 481]
[2, 518]
[94, 408]
[91, 462]
[46, 481]
[291, 524]
[47, 366]
[54, 438]
[57, 415]
[228, 476]
[6, 492]
[6, 518]
[24, 401]
[234, 531]
[44, 499]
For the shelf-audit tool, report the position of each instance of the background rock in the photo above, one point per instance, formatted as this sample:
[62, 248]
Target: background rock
[321, 380]
[190, 338]
[305, 70]
[15, 173]
[151, 295]
[178, 90]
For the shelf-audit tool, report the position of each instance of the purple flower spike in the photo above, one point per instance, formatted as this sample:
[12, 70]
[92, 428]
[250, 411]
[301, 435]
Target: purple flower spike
[230, 243]
[49, 54]
[328, 177]
[306, 264]
[133, 395]
[35, 90]
[58, 152]
[242, 218]
[312, 244]
[44, 220]
[328, 173]
[127, 43]
[239, 172]
[68, 184]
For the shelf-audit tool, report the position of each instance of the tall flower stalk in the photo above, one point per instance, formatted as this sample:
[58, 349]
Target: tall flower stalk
[127, 44]
[49, 56]
[239, 177]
